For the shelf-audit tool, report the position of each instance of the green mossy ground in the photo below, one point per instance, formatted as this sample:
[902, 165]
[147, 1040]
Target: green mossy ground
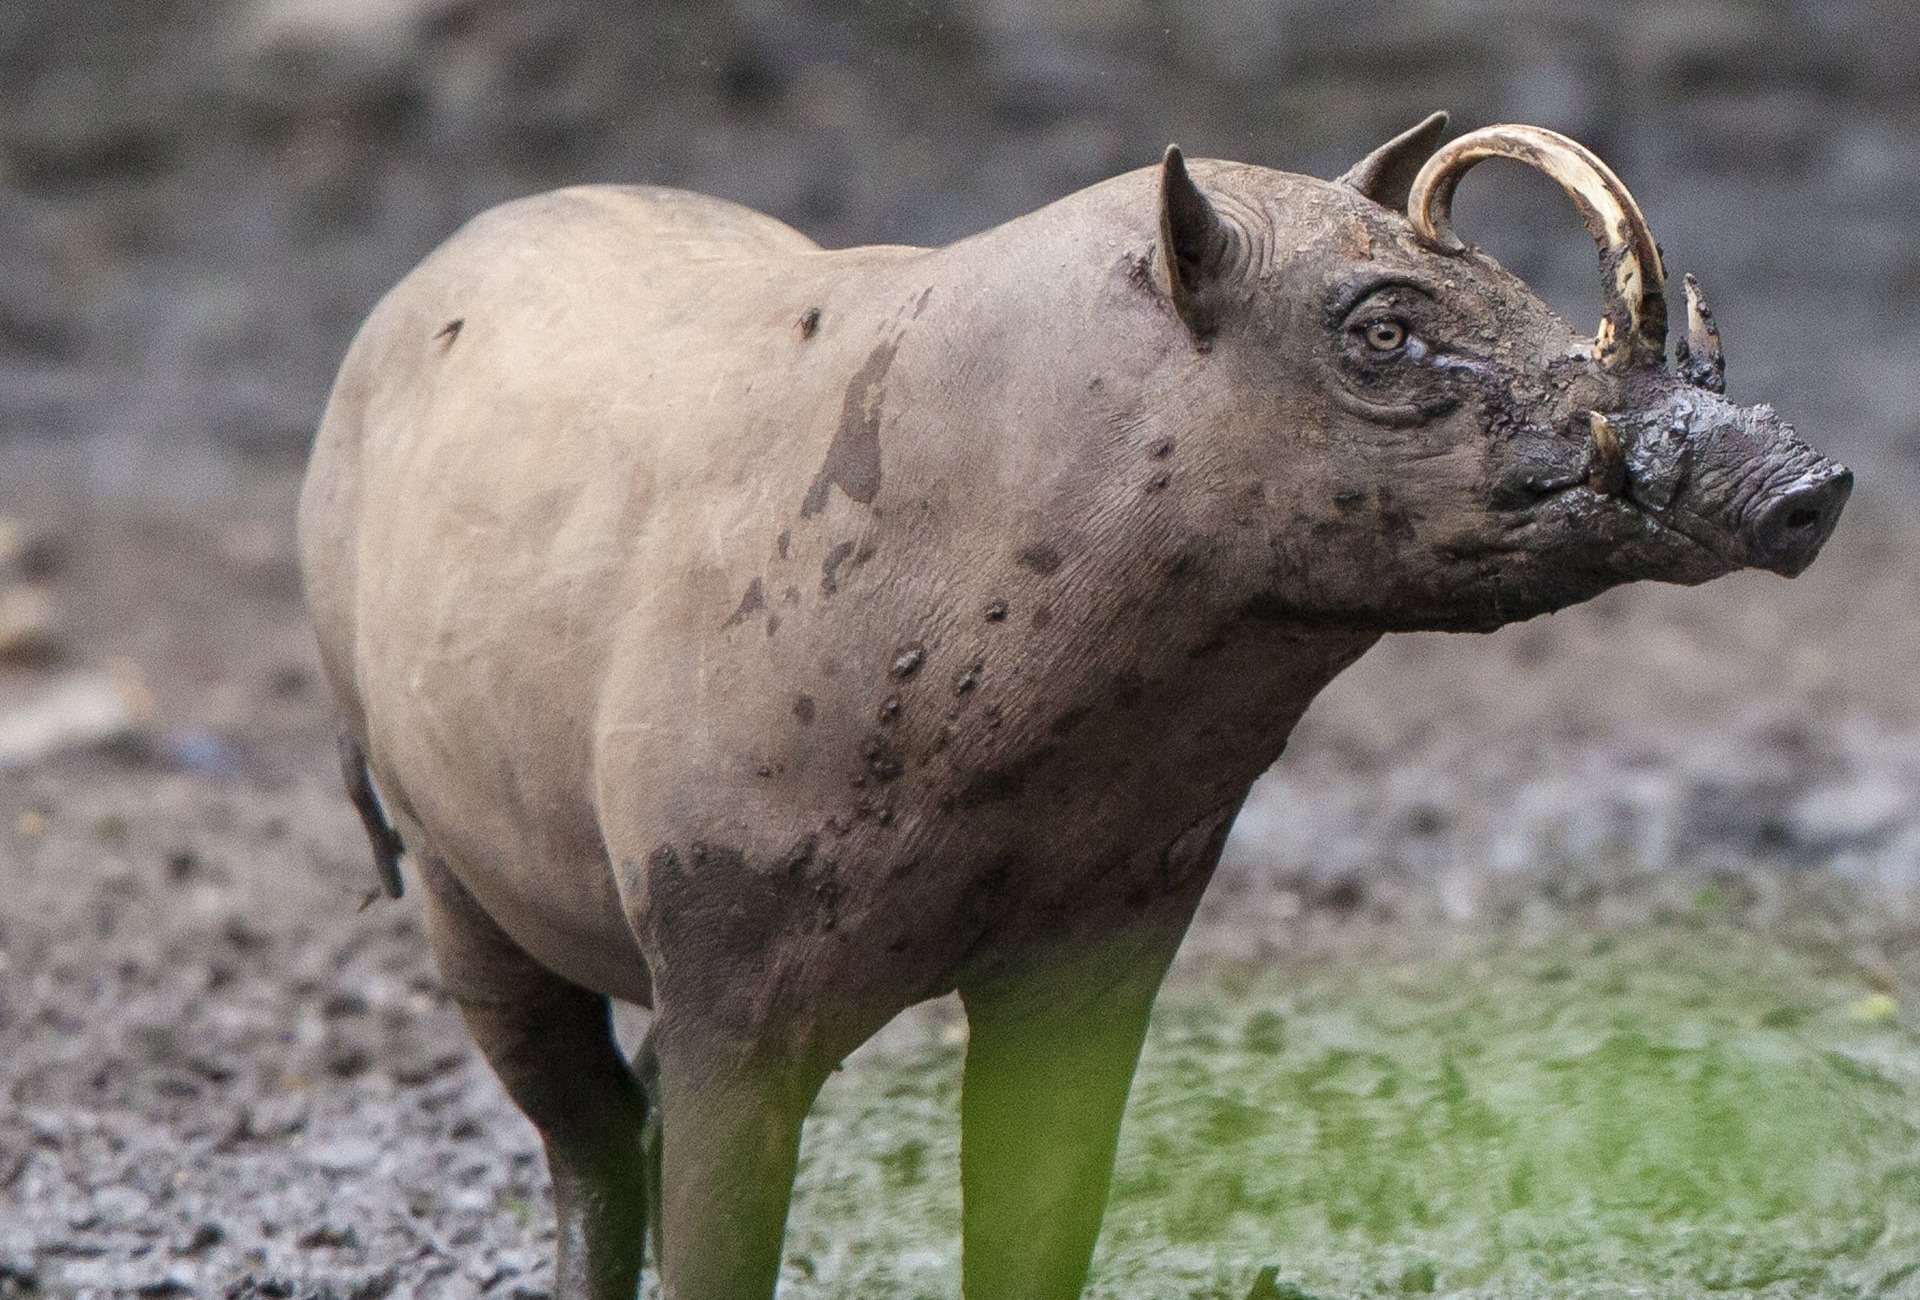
[1677, 1107]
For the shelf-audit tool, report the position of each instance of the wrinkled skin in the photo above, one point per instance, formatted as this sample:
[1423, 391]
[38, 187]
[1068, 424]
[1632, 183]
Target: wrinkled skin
[777, 637]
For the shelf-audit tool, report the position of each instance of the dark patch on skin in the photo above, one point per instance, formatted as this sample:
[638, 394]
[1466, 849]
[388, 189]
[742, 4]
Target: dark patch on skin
[997, 612]
[783, 542]
[1041, 559]
[866, 552]
[889, 708]
[830, 567]
[1005, 782]
[907, 660]
[1161, 449]
[1158, 483]
[796, 858]
[808, 323]
[827, 891]
[987, 900]
[751, 602]
[1268, 607]
[1042, 617]
[1068, 722]
[773, 625]
[710, 857]
[1396, 522]
[803, 709]
[1129, 689]
[716, 904]
[1251, 505]
[791, 595]
[853, 458]
[920, 304]
[1140, 272]
[449, 333]
[1350, 498]
[969, 677]
[941, 739]
[877, 751]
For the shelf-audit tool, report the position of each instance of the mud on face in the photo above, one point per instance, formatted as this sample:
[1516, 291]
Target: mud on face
[1471, 460]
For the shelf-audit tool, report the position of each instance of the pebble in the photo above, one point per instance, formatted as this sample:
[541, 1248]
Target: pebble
[342, 1156]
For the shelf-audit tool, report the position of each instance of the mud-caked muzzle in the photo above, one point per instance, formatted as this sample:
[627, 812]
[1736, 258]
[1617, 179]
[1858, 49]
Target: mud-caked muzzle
[1733, 479]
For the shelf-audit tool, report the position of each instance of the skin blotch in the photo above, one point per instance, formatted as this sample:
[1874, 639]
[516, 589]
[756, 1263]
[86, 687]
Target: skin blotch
[853, 458]
[1041, 559]
[809, 322]
[998, 784]
[803, 709]
[448, 333]
[830, 567]
[751, 602]
[796, 859]
[881, 762]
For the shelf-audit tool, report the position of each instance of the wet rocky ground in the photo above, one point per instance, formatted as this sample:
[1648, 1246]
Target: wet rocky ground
[1575, 960]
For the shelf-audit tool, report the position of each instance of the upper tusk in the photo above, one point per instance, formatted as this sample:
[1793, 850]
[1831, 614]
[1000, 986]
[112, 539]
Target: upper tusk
[1634, 332]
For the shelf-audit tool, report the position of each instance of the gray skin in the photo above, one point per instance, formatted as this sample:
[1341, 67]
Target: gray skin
[778, 637]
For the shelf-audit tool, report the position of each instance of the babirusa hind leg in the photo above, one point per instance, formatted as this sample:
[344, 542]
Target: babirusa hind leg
[551, 1043]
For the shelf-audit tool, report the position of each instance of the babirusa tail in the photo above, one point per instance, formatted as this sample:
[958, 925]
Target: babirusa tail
[387, 846]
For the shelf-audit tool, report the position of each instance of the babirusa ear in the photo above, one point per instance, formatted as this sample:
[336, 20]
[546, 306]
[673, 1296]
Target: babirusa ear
[1386, 175]
[1194, 244]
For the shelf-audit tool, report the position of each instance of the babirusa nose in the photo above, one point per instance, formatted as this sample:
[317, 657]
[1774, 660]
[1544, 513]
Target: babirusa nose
[1790, 526]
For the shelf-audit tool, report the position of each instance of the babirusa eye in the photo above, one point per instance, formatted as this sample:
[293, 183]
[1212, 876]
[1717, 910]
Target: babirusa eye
[1386, 334]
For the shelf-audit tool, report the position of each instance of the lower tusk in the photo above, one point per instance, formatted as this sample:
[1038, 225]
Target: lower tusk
[1606, 461]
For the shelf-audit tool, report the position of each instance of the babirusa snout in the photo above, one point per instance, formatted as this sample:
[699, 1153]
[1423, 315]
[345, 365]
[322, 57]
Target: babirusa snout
[1634, 332]
[1786, 528]
[1735, 480]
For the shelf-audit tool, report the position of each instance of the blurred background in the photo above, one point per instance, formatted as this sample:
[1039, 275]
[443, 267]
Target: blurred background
[200, 199]
[203, 197]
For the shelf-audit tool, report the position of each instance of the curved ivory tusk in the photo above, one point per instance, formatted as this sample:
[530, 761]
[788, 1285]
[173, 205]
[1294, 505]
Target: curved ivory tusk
[1697, 354]
[1634, 332]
